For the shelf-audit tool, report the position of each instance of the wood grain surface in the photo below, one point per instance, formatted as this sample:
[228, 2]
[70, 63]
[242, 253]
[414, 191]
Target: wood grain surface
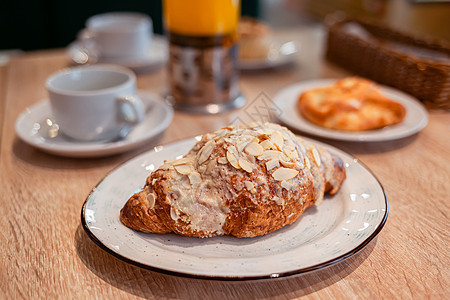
[3, 73]
[45, 254]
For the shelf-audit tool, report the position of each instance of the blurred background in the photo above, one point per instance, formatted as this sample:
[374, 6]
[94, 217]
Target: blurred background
[43, 24]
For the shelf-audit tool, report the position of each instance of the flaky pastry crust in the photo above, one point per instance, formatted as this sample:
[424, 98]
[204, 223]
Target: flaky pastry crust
[351, 104]
[243, 181]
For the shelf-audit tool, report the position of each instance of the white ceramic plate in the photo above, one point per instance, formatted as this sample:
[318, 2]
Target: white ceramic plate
[322, 236]
[281, 54]
[415, 120]
[157, 56]
[30, 127]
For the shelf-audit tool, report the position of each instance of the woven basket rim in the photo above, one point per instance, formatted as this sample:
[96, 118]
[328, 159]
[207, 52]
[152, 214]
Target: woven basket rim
[334, 23]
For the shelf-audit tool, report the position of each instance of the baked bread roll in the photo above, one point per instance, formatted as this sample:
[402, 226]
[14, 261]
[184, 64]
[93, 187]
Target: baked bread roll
[254, 39]
[351, 104]
[242, 181]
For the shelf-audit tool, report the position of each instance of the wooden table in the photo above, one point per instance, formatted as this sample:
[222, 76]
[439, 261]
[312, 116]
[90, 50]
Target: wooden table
[46, 254]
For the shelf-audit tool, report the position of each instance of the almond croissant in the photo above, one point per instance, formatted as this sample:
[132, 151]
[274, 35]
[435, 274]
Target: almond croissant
[243, 181]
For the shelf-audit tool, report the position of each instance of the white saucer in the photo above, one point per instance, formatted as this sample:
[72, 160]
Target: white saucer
[281, 54]
[415, 120]
[30, 129]
[157, 56]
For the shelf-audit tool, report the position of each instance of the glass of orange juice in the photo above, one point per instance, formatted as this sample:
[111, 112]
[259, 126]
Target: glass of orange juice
[203, 69]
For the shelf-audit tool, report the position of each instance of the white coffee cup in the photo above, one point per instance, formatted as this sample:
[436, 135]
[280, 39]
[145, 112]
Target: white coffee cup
[118, 36]
[92, 103]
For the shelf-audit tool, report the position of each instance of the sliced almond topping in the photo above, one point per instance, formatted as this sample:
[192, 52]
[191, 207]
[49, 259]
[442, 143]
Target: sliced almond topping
[284, 184]
[284, 174]
[174, 214]
[195, 178]
[290, 146]
[289, 152]
[222, 160]
[316, 156]
[232, 160]
[182, 161]
[251, 159]
[261, 131]
[260, 180]
[184, 183]
[266, 144]
[183, 169]
[300, 146]
[308, 163]
[151, 200]
[277, 139]
[273, 163]
[287, 184]
[240, 145]
[278, 200]
[166, 166]
[287, 164]
[298, 155]
[284, 157]
[153, 181]
[249, 185]
[270, 154]
[246, 165]
[233, 150]
[206, 151]
[221, 132]
[254, 149]
[201, 169]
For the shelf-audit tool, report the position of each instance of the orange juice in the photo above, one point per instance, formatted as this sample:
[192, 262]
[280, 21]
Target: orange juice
[201, 17]
[203, 54]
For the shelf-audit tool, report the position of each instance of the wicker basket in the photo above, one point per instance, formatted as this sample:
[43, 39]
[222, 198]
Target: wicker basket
[377, 56]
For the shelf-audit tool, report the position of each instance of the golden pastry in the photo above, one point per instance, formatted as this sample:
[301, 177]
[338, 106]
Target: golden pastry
[351, 104]
[254, 39]
[242, 181]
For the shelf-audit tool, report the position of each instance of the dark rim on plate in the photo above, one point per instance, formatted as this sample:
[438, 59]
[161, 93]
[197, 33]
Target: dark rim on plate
[319, 266]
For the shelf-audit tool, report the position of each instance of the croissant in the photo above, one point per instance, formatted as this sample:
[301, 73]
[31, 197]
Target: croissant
[243, 181]
[350, 104]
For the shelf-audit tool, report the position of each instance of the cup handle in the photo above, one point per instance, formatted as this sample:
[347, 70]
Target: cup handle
[87, 41]
[131, 109]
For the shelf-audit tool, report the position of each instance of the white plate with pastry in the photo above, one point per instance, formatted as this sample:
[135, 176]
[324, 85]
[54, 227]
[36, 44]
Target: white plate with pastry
[286, 100]
[260, 49]
[279, 54]
[35, 127]
[323, 235]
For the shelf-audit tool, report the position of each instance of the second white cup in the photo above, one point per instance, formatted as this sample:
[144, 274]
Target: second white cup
[118, 36]
[93, 103]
